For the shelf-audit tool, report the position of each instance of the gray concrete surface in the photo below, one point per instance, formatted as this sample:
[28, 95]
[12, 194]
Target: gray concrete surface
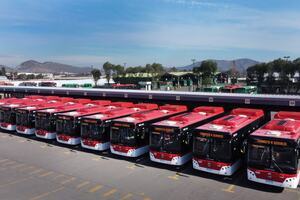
[32, 169]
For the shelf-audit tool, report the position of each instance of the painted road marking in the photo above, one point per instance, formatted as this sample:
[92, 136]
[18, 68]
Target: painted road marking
[132, 167]
[3, 160]
[175, 177]
[46, 174]
[82, 184]
[8, 163]
[14, 182]
[110, 192]
[96, 188]
[229, 189]
[127, 196]
[17, 166]
[46, 194]
[26, 168]
[68, 180]
[96, 159]
[36, 171]
[58, 176]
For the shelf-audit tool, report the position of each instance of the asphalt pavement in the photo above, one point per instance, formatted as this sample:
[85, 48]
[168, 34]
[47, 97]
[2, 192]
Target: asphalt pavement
[33, 169]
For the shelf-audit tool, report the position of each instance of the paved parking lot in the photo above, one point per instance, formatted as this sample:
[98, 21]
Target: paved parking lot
[32, 169]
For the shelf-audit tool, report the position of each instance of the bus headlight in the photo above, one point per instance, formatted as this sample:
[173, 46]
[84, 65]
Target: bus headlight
[175, 160]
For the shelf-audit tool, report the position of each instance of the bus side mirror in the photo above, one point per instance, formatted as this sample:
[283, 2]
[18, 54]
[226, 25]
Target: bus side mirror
[244, 146]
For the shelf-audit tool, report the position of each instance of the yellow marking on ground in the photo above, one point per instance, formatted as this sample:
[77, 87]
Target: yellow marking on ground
[14, 182]
[81, 185]
[146, 198]
[175, 177]
[68, 180]
[21, 141]
[58, 176]
[110, 192]
[229, 189]
[17, 166]
[132, 167]
[46, 194]
[127, 196]
[26, 168]
[46, 174]
[9, 163]
[36, 171]
[67, 152]
[3, 160]
[43, 146]
[96, 188]
[96, 159]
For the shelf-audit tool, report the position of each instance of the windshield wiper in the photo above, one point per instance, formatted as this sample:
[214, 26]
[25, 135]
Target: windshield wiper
[274, 161]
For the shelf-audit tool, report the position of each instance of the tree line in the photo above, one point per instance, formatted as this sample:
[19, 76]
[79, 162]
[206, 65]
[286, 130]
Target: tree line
[111, 71]
[277, 76]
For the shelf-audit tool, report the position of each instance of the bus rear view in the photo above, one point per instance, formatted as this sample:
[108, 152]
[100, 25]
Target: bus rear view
[273, 152]
[171, 139]
[217, 145]
[130, 135]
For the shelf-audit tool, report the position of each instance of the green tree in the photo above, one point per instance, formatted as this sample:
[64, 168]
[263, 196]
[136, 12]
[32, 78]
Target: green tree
[108, 67]
[96, 75]
[3, 71]
[206, 71]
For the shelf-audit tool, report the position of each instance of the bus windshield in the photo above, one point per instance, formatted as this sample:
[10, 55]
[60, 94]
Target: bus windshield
[168, 142]
[8, 116]
[22, 119]
[123, 135]
[44, 123]
[66, 126]
[92, 131]
[281, 159]
[212, 148]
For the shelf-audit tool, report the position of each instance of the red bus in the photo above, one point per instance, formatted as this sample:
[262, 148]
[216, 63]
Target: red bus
[45, 120]
[273, 152]
[217, 145]
[130, 135]
[171, 139]
[25, 116]
[95, 129]
[6, 100]
[68, 124]
[8, 112]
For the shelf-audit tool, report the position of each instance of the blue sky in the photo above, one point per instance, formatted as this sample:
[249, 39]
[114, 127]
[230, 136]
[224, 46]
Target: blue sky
[136, 32]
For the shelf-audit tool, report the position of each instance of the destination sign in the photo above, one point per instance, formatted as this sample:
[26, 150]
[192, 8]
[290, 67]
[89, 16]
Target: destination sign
[89, 121]
[164, 129]
[213, 135]
[121, 125]
[271, 142]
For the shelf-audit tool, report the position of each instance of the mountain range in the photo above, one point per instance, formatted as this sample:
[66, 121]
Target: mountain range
[50, 67]
[32, 66]
[241, 64]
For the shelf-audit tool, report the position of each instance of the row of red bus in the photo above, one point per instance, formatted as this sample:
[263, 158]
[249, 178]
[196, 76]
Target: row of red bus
[216, 141]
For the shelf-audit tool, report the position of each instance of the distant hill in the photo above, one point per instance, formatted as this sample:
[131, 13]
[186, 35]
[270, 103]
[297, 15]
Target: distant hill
[50, 67]
[224, 65]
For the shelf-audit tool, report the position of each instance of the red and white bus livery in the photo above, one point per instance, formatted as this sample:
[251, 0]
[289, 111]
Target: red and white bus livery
[95, 129]
[130, 135]
[217, 145]
[273, 152]
[8, 112]
[25, 116]
[171, 139]
[68, 123]
[45, 120]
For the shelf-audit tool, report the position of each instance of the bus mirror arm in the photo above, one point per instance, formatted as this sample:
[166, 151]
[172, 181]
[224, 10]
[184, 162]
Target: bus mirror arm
[244, 146]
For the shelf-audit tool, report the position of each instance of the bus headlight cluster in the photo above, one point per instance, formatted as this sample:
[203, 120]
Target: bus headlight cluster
[175, 160]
